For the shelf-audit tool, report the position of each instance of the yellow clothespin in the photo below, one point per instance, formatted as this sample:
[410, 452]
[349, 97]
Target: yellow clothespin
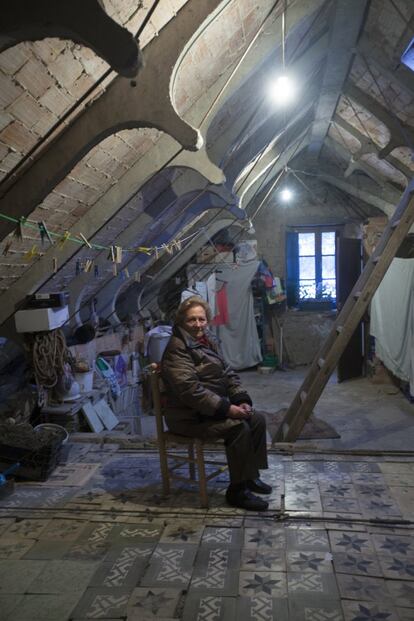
[118, 254]
[54, 265]
[143, 249]
[156, 252]
[7, 247]
[85, 241]
[114, 269]
[28, 256]
[126, 272]
[137, 277]
[62, 241]
[88, 265]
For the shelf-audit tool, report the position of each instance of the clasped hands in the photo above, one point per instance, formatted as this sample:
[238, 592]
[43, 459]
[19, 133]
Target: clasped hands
[244, 410]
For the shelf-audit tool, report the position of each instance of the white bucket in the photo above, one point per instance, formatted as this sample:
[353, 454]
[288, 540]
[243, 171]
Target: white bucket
[85, 381]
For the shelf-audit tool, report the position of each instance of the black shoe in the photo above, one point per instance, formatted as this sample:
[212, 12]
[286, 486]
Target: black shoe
[244, 499]
[259, 487]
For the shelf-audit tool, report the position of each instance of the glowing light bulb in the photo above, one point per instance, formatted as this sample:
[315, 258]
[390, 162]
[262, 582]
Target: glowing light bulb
[286, 195]
[283, 90]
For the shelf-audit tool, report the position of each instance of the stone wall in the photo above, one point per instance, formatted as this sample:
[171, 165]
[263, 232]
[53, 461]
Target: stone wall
[320, 205]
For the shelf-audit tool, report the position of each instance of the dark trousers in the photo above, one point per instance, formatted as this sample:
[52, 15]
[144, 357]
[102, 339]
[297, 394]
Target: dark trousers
[244, 440]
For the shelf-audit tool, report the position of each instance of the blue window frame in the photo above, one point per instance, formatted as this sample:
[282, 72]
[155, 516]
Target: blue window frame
[311, 267]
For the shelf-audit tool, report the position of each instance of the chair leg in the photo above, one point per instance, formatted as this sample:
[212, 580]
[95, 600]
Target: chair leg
[164, 468]
[191, 465]
[202, 481]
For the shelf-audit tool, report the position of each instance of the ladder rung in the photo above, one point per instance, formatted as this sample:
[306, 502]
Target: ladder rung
[303, 396]
[339, 329]
[321, 362]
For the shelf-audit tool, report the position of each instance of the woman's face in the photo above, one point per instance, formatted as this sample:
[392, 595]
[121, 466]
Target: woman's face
[195, 321]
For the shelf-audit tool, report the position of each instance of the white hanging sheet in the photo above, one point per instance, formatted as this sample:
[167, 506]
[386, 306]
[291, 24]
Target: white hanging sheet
[392, 320]
[239, 339]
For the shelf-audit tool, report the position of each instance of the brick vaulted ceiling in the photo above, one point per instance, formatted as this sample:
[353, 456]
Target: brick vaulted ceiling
[132, 186]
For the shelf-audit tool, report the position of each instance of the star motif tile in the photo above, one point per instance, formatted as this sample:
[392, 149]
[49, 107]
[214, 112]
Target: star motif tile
[350, 542]
[270, 583]
[309, 561]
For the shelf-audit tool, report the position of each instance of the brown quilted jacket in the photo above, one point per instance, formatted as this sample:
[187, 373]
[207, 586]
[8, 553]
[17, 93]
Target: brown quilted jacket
[198, 381]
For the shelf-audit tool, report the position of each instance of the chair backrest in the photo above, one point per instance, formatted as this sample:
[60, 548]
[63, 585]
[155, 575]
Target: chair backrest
[156, 396]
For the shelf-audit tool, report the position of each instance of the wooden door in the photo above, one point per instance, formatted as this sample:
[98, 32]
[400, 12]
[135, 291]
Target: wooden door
[349, 266]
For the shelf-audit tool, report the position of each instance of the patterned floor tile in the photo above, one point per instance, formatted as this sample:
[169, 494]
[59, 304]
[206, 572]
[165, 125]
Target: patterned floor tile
[216, 571]
[326, 610]
[337, 489]
[309, 561]
[366, 478]
[255, 559]
[369, 611]
[266, 583]
[261, 608]
[100, 603]
[63, 530]
[363, 588]
[140, 551]
[153, 603]
[270, 538]
[137, 533]
[224, 536]
[394, 545]
[344, 541]
[170, 566]
[6, 523]
[312, 585]
[405, 614]
[338, 503]
[30, 529]
[364, 466]
[356, 563]
[402, 593]
[16, 576]
[210, 608]
[299, 502]
[63, 577]
[301, 539]
[397, 567]
[48, 550]
[44, 607]
[13, 548]
[380, 508]
[183, 532]
[349, 522]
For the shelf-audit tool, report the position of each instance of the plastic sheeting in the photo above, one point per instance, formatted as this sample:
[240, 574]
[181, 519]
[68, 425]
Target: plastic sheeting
[392, 320]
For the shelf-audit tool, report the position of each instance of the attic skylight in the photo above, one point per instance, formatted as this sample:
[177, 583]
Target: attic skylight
[408, 57]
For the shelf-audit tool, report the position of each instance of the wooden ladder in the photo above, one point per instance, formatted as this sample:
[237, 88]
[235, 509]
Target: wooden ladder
[348, 320]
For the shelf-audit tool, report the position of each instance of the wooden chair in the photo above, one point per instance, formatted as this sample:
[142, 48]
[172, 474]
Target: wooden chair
[170, 443]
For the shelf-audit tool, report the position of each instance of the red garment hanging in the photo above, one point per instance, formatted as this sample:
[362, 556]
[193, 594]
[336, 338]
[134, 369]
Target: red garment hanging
[222, 316]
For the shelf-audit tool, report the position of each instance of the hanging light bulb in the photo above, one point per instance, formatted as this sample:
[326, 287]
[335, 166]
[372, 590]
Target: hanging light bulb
[286, 195]
[282, 90]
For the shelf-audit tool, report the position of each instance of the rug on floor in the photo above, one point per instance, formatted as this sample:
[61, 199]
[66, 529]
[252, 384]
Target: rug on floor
[314, 428]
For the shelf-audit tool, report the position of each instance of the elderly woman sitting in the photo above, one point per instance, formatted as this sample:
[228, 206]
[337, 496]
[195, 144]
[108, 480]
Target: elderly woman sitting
[205, 399]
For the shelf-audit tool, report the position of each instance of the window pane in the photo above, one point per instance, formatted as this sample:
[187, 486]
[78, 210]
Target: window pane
[329, 289]
[306, 244]
[328, 267]
[306, 267]
[328, 243]
[307, 289]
